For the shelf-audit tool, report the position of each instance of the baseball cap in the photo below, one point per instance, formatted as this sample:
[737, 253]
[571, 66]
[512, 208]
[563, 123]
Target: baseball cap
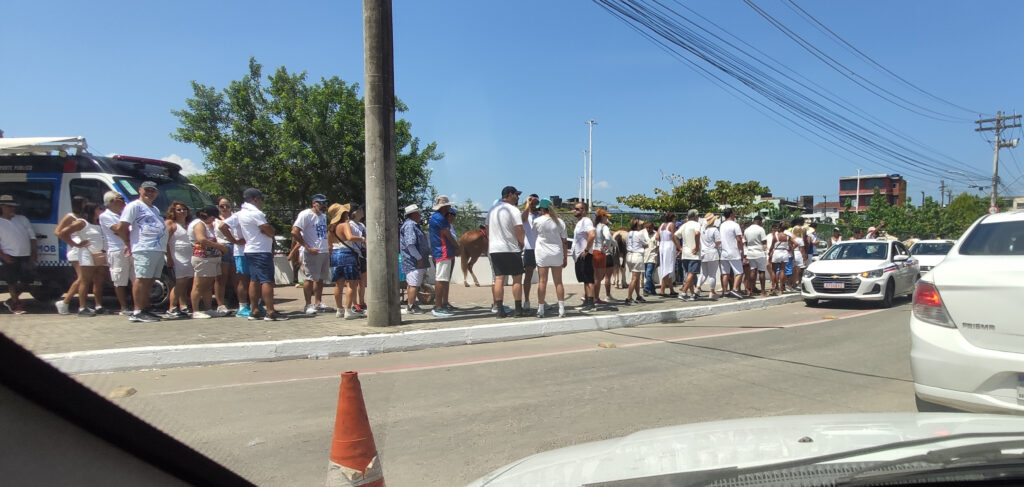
[319, 198]
[507, 190]
[544, 203]
[251, 194]
[147, 184]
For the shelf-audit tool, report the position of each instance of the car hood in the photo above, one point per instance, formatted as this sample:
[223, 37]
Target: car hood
[738, 443]
[845, 266]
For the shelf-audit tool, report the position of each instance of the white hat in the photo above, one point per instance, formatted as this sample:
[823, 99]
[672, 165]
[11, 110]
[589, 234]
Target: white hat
[441, 201]
[411, 209]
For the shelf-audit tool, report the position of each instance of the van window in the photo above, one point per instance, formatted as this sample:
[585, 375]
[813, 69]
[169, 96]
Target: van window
[35, 198]
[90, 189]
[169, 191]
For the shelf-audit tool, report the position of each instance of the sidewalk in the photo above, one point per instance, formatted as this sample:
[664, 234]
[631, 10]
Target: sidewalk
[107, 343]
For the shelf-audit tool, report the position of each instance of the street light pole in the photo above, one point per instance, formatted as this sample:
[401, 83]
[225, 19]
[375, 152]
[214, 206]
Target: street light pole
[590, 176]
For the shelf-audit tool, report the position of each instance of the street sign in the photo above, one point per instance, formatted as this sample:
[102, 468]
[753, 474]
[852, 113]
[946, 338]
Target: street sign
[992, 210]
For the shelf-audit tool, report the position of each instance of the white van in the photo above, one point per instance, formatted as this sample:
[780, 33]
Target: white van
[44, 173]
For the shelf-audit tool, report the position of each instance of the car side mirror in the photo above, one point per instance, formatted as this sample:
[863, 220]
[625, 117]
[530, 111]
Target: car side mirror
[900, 258]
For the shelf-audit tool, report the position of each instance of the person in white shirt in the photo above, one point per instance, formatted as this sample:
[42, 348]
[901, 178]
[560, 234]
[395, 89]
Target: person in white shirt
[310, 232]
[85, 235]
[689, 239]
[732, 254]
[636, 243]
[710, 254]
[530, 213]
[259, 248]
[142, 228]
[583, 252]
[755, 236]
[504, 246]
[778, 255]
[550, 253]
[17, 251]
[119, 264]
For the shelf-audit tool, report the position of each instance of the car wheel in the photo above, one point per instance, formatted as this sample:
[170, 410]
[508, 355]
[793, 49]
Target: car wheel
[161, 290]
[48, 294]
[811, 302]
[890, 294]
[930, 407]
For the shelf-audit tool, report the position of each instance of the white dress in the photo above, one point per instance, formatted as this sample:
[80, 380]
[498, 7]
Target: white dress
[550, 244]
[666, 252]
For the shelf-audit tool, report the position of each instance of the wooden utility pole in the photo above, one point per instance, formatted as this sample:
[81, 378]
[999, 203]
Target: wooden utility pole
[381, 175]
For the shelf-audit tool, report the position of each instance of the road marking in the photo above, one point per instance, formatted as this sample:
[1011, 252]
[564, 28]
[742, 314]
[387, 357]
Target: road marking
[640, 341]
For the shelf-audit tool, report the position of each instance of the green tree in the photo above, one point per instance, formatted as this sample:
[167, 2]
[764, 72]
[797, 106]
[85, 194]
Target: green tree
[695, 193]
[293, 139]
[961, 213]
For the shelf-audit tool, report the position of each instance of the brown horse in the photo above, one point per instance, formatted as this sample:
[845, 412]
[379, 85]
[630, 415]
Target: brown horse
[619, 277]
[472, 245]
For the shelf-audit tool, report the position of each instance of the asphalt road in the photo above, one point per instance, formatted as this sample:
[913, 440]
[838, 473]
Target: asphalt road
[446, 416]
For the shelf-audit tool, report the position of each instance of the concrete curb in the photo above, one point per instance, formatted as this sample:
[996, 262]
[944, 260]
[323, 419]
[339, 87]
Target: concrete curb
[142, 358]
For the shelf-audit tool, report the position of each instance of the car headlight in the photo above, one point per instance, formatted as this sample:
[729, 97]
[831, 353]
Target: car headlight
[874, 273]
[808, 274]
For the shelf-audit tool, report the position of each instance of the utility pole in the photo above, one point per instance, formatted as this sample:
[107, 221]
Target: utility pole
[942, 194]
[381, 174]
[998, 125]
[583, 179]
[590, 176]
[856, 206]
[922, 200]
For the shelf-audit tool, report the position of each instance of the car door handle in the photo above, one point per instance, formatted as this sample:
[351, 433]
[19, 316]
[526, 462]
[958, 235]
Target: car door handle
[41, 236]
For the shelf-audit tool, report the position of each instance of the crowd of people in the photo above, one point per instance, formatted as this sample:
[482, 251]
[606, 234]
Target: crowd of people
[211, 248]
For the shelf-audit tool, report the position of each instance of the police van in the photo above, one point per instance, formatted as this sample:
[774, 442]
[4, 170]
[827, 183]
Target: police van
[44, 173]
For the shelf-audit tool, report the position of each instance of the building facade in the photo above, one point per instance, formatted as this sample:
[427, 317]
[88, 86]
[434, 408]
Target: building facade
[892, 186]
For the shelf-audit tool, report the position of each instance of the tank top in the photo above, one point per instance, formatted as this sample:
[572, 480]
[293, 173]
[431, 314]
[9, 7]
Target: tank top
[92, 233]
[181, 248]
[199, 250]
[359, 230]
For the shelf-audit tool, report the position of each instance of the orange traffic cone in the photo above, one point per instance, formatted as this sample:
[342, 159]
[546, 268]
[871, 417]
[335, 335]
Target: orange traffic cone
[354, 459]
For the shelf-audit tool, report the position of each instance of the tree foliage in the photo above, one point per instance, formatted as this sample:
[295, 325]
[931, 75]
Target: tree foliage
[293, 139]
[929, 220]
[696, 193]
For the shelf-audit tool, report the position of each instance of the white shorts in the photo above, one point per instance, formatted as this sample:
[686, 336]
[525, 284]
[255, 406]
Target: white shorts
[443, 270]
[732, 266]
[635, 262]
[415, 278]
[72, 254]
[780, 257]
[184, 270]
[798, 260]
[120, 267]
[316, 267]
[759, 264]
[85, 257]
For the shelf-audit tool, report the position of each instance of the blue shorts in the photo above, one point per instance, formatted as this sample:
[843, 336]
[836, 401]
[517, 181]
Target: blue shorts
[229, 256]
[691, 266]
[241, 265]
[344, 265]
[149, 264]
[789, 267]
[261, 267]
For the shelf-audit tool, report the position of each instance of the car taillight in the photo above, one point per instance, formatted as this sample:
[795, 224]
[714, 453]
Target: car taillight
[928, 305]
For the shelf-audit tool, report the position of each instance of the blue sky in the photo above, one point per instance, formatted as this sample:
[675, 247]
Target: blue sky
[505, 87]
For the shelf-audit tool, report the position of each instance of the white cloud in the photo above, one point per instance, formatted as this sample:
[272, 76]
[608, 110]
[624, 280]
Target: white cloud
[602, 185]
[187, 166]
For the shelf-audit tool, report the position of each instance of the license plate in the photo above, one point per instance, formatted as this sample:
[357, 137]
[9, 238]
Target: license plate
[833, 285]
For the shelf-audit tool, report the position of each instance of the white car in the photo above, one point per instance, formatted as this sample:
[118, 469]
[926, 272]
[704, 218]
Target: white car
[929, 253]
[966, 328]
[864, 270]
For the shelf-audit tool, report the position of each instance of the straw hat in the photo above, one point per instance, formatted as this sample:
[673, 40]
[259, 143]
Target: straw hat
[710, 218]
[335, 211]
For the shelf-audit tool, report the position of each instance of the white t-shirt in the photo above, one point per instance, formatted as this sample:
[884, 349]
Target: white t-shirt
[550, 244]
[602, 238]
[16, 236]
[108, 219]
[530, 240]
[755, 241]
[502, 221]
[236, 231]
[313, 228]
[249, 220]
[708, 246]
[579, 236]
[687, 235]
[636, 241]
[148, 230]
[730, 230]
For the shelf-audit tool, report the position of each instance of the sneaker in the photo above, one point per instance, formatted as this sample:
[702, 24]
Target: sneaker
[734, 294]
[503, 312]
[352, 315]
[143, 317]
[62, 308]
[526, 305]
[561, 312]
[100, 310]
[323, 308]
[126, 312]
[172, 313]
[275, 316]
[541, 309]
[216, 313]
[225, 311]
[256, 315]
[640, 299]
[586, 308]
[522, 313]
[201, 315]
[441, 312]
[151, 316]
[311, 310]
[494, 309]
[7, 304]
[263, 309]
[683, 297]
[599, 301]
[86, 312]
[243, 312]
[627, 302]
[413, 310]
[362, 314]
[19, 309]
[450, 308]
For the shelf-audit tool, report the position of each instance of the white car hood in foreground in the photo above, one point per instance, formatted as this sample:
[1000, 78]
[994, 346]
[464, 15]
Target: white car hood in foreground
[740, 443]
[844, 266]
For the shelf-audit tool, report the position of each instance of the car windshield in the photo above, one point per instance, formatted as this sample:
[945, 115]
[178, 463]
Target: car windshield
[857, 251]
[931, 248]
[1000, 238]
[170, 190]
